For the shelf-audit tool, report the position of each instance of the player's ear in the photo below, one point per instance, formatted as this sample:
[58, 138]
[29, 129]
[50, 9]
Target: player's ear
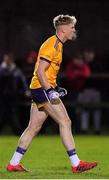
[63, 29]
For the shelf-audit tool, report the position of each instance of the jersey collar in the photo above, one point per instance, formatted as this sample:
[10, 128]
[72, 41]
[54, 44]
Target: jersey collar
[59, 39]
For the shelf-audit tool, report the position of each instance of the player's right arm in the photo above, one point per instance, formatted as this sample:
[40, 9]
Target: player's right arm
[43, 65]
[46, 56]
[51, 93]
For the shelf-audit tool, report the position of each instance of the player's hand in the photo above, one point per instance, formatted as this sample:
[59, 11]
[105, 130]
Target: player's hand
[52, 94]
[62, 91]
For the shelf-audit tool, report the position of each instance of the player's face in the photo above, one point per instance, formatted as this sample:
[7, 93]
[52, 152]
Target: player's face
[70, 32]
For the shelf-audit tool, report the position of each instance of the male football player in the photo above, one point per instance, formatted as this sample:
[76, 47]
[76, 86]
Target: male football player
[46, 97]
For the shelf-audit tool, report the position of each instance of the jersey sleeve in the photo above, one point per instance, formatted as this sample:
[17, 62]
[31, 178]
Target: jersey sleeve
[46, 52]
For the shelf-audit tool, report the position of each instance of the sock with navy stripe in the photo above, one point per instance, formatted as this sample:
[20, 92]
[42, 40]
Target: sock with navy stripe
[19, 153]
[73, 157]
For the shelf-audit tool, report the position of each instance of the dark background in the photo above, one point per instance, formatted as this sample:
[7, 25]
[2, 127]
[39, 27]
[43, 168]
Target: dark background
[25, 24]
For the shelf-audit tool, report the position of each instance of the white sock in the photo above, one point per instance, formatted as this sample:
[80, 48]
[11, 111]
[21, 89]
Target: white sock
[74, 160]
[73, 157]
[17, 156]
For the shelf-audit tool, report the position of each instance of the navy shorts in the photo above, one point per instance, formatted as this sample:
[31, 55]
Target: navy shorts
[39, 96]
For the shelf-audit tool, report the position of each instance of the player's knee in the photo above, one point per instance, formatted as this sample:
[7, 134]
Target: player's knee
[34, 129]
[66, 123]
[70, 123]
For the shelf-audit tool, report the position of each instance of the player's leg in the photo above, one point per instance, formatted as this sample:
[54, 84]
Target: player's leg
[59, 114]
[37, 118]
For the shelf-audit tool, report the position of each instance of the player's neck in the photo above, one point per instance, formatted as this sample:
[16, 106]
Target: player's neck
[61, 37]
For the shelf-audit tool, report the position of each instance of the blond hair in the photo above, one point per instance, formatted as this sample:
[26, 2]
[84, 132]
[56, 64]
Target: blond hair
[64, 20]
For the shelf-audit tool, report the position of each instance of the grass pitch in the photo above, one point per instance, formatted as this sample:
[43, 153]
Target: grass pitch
[47, 158]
